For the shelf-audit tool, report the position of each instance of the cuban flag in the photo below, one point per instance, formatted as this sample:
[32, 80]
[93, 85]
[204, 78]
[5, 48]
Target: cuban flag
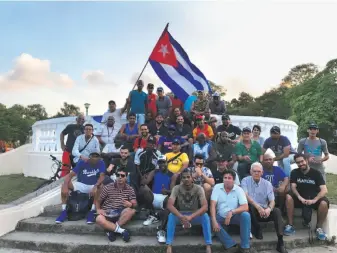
[173, 66]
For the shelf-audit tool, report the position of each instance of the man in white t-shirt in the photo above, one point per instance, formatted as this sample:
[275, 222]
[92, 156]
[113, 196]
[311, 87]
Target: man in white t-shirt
[106, 133]
[116, 113]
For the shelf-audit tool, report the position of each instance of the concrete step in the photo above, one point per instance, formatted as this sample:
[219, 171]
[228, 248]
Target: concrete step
[8, 250]
[72, 243]
[136, 227]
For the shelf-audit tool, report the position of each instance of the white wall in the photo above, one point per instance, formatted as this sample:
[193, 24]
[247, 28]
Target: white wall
[12, 162]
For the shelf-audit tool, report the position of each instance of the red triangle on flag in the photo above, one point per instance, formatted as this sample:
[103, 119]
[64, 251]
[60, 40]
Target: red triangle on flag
[163, 52]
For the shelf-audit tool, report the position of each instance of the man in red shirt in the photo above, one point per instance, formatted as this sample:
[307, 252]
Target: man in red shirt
[151, 100]
[176, 103]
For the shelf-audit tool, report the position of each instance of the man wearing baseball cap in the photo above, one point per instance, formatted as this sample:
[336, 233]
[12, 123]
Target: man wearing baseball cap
[177, 160]
[217, 107]
[165, 142]
[163, 103]
[234, 132]
[313, 147]
[202, 127]
[151, 100]
[281, 146]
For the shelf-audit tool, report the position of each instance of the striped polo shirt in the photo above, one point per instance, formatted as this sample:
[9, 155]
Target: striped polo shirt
[112, 196]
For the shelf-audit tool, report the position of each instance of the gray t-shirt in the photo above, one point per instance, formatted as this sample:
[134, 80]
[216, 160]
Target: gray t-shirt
[188, 200]
[163, 105]
[314, 148]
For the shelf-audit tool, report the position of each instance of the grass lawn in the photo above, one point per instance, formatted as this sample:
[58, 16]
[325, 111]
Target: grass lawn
[332, 188]
[15, 186]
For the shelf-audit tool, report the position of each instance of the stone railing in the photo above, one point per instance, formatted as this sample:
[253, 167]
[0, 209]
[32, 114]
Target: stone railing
[46, 133]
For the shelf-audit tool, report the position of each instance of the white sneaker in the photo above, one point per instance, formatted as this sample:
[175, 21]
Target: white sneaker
[150, 220]
[250, 235]
[161, 236]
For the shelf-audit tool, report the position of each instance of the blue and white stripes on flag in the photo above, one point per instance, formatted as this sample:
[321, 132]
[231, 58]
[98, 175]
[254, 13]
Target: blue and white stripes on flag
[173, 66]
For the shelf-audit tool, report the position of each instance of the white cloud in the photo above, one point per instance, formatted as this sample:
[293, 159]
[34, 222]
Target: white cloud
[96, 77]
[29, 72]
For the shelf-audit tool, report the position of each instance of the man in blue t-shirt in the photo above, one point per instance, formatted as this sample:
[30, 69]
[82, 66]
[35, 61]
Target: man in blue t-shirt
[165, 142]
[90, 176]
[162, 183]
[276, 176]
[281, 146]
[137, 103]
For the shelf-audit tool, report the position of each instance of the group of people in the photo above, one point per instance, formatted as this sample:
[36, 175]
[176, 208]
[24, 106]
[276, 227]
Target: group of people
[184, 169]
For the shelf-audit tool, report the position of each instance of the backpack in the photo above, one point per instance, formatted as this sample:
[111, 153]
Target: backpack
[78, 205]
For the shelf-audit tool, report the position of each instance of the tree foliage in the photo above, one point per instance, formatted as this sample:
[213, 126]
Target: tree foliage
[68, 110]
[300, 74]
[217, 88]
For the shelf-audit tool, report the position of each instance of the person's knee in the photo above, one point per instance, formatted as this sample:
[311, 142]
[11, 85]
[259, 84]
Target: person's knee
[324, 204]
[289, 198]
[277, 212]
[207, 187]
[245, 216]
[100, 219]
[205, 217]
[130, 211]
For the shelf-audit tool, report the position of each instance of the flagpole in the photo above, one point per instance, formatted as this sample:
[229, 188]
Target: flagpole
[165, 29]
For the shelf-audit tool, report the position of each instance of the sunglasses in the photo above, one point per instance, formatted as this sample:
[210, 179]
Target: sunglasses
[199, 164]
[121, 175]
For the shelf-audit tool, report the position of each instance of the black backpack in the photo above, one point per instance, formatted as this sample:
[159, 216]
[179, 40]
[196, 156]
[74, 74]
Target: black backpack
[78, 205]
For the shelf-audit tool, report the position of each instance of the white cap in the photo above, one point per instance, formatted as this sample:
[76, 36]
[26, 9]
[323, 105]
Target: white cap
[216, 94]
[162, 158]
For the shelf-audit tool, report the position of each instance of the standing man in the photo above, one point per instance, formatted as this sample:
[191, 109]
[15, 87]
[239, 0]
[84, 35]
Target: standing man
[229, 206]
[234, 132]
[164, 103]
[85, 144]
[308, 192]
[73, 131]
[280, 145]
[115, 113]
[138, 103]
[313, 147]
[261, 199]
[184, 203]
[151, 101]
[217, 107]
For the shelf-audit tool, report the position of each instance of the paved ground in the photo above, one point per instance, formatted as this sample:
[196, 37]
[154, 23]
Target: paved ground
[326, 249]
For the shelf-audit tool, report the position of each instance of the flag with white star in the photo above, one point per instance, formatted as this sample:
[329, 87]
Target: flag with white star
[173, 66]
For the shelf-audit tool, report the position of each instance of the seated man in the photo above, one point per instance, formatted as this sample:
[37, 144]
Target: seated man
[229, 206]
[276, 176]
[205, 148]
[308, 192]
[87, 182]
[115, 207]
[130, 131]
[202, 175]
[221, 169]
[247, 151]
[141, 141]
[184, 130]
[177, 160]
[202, 127]
[165, 142]
[184, 205]
[163, 182]
[261, 199]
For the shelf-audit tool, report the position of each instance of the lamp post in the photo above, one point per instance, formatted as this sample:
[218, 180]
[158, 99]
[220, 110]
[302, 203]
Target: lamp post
[86, 105]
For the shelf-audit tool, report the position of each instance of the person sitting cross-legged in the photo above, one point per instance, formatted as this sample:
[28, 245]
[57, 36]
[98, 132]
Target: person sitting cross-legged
[308, 192]
[184, 205]
[115, 207]
[261, 199]
[229, 206]
[87, 182]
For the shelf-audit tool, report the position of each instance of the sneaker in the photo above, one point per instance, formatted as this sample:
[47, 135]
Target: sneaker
[91, 217]
[63, 216]
[126, 236]
[150, 220]
[320, 234]
[161, 236]
[111, 236]
[250, 235]
[289, 230]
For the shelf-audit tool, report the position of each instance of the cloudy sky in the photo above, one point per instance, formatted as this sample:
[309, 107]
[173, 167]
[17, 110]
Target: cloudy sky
[53, 52]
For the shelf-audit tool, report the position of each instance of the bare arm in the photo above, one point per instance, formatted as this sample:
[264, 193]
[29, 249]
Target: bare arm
[208, 180]
[322, 193]
[68, 178]
[286, 152]
[200, 211]
[240, 209]
[295, 192]
[171, 207]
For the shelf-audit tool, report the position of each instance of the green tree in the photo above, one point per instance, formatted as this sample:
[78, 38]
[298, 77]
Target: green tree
[68, 110]
[218, 88]
[36, 112]
[300, 74]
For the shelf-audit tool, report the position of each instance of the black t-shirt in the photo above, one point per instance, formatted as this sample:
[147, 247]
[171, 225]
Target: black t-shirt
[118, 164]
[153, 130]
[308, 185]
[233, 131]
[218, 176]
[72, 130]
[185, 130]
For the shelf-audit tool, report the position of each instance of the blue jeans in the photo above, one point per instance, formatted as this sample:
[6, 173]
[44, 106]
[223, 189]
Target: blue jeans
[140, 119]
[243, 220]
[203, 220]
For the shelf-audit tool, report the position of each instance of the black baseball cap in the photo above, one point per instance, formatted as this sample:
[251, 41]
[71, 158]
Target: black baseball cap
[246, 130]
[221, 158]
[150, 85]
[160, 89]
[225, 117]
[176, 141]
[172, 127]
[313, 126]
[151, 139]
[275, 130]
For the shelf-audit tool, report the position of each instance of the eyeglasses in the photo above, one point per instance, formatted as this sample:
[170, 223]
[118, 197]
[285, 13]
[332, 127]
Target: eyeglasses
[121, 175]
[199, 164]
